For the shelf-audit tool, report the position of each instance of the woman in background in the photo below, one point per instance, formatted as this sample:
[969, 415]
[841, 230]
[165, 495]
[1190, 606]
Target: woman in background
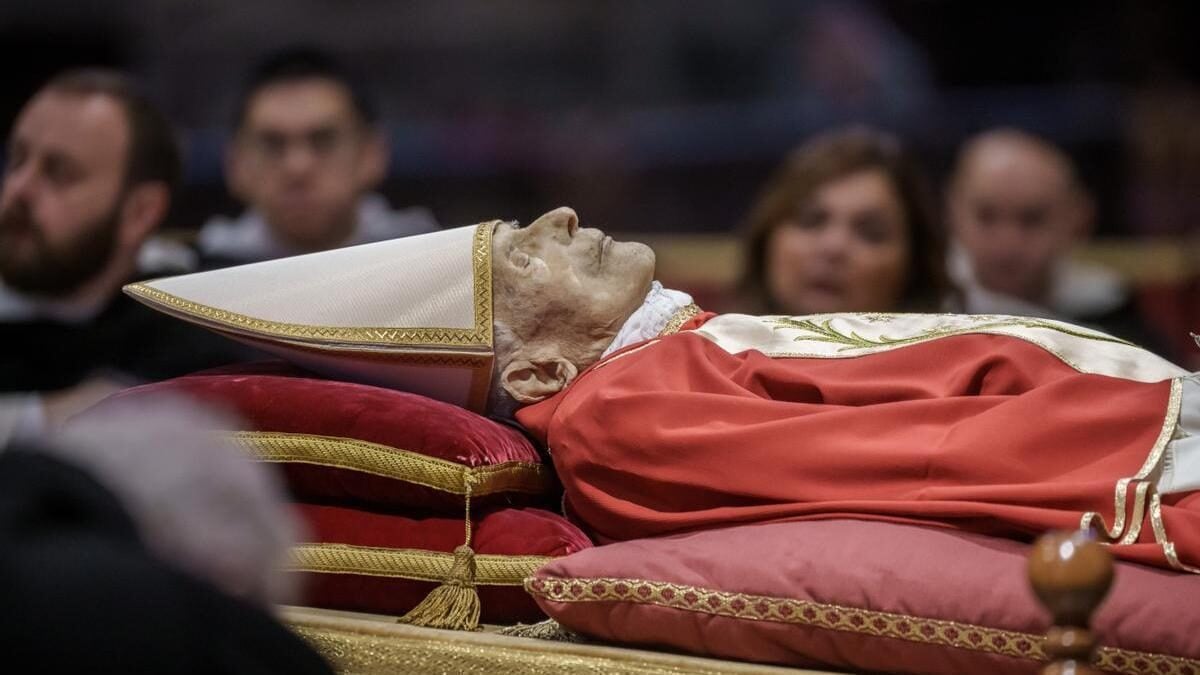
[846, 224]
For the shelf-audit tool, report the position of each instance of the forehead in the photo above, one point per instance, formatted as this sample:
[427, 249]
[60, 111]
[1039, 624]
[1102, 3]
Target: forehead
[1016, 174]
[869, 183]
[298, 105]
[91, 128]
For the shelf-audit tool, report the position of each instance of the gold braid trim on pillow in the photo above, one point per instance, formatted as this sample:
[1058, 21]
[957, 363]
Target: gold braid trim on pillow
[407, 563]
[746, 606]
[389, 462]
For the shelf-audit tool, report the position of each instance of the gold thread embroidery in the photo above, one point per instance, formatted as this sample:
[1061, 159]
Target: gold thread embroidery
[680, 317]
[825, 332]
[1160, 536]
[408, 563]
[835, 617]
[389, 462]
[480, 335]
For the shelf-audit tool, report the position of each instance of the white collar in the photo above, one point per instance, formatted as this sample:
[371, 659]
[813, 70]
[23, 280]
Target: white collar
[1077, 290]
[648, 320]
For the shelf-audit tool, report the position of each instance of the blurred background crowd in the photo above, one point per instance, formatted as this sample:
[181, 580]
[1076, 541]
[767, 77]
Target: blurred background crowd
[668, 121]
[1037, 159]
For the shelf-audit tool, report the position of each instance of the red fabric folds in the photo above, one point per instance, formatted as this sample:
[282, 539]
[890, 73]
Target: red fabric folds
[980, 432]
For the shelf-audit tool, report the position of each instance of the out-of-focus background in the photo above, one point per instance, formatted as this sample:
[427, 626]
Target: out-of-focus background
[664, 118]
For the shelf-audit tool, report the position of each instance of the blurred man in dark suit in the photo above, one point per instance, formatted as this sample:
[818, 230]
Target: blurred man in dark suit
[90, 170]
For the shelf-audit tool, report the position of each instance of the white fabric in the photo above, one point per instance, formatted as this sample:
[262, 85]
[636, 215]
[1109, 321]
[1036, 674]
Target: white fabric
[850, 335]
[1076, 289]
[248, 238]
[648, 320]
[424, 281]
[21, 416]
[1181, 467]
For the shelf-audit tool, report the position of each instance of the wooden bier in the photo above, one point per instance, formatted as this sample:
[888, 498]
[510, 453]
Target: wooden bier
[1070, 574]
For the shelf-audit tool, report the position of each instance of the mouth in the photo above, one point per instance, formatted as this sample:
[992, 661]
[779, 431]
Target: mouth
[825, 286]
[605, 243]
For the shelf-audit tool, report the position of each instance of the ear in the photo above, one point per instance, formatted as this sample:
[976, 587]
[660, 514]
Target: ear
[145, 207]
[373, 164]
[531, 381]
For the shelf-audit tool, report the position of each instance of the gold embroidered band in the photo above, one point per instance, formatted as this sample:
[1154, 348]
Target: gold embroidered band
[680, 317]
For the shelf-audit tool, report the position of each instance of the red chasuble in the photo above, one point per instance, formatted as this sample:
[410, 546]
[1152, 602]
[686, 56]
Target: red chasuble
[999, 425]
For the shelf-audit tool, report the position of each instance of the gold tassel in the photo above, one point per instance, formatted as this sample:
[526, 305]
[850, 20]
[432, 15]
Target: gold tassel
[455, 603]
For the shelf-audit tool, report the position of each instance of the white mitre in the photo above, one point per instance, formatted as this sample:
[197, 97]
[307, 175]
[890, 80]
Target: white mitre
[413, 313]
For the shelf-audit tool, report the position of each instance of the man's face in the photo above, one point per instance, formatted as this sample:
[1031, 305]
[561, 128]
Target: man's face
[63, 187]
[303, 157]
[557, 284]
[1015, 213]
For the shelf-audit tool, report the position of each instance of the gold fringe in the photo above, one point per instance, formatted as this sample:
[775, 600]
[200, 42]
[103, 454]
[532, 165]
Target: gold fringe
[455, 603]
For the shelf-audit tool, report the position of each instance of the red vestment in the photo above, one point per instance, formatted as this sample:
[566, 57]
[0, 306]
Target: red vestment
[978, 431]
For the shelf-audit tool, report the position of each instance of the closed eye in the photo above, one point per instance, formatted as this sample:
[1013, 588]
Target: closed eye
[519, 258]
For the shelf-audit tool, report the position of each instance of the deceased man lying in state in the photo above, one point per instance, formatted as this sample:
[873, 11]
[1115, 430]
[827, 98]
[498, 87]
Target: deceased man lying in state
[663, 419]
[991, 423]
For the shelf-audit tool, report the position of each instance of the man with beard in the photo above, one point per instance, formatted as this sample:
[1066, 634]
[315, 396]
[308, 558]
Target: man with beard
[90, 168]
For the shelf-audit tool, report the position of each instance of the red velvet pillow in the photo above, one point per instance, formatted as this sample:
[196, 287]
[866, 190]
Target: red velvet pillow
[343, 441]
[386, 563]
[857, 595]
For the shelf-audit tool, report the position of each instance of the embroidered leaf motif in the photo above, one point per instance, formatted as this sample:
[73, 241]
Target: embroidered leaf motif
[822, 330]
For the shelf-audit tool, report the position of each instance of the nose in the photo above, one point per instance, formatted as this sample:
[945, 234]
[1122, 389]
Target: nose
[18, 186]
[298, 159]
[835, 240]
[561, 221]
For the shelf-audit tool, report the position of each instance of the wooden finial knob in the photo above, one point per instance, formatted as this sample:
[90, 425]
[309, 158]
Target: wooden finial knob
[1070, 574]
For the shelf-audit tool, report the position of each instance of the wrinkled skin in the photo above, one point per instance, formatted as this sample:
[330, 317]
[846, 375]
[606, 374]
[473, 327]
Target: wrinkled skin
[562, 292]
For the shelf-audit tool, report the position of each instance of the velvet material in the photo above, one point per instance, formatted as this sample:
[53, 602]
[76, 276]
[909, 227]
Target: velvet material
[275, 397]
[878, 583]
[505, 532]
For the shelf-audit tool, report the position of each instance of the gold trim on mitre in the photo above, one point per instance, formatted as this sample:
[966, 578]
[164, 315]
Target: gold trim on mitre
[479, 335]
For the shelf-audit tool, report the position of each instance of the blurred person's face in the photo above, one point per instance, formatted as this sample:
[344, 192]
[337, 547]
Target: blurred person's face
[846, 250]
[1015, 214]
[303, 158]
[63, 193]
[564, 292]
